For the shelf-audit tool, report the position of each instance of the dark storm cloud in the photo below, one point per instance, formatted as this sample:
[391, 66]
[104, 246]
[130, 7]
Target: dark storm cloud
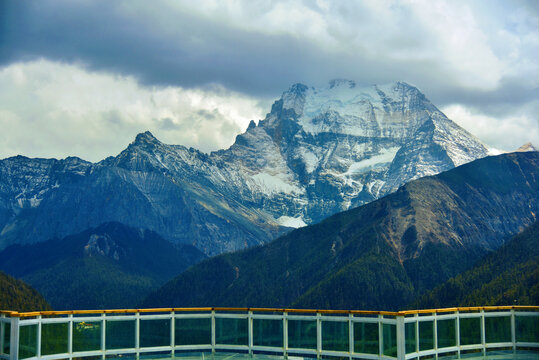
[103, 38]
[479, 56]
[198, 52]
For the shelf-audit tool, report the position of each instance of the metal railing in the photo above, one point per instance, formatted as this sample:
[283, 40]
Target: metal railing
[401, 335]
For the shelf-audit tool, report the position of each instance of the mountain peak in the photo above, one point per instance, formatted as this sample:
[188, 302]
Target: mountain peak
[145, 138]
[342, 82]
[527, 147]
[297, 88]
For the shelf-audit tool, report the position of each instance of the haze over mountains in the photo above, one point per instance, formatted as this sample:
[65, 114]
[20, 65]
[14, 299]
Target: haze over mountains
[318, 152]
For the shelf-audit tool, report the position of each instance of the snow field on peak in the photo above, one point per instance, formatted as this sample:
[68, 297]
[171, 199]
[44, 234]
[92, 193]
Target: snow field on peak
[384, 157]
[276, 184]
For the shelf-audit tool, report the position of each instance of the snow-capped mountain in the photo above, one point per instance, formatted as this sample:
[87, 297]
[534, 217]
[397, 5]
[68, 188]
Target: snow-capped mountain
[319, 151]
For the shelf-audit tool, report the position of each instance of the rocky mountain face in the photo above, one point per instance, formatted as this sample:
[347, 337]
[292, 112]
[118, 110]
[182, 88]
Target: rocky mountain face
[318, 152]
[381, 255]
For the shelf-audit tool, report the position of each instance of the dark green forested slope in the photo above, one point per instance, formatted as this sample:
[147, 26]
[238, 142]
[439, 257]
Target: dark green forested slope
[381, 255]
[15, 295]
[509, 276]
[111, 266]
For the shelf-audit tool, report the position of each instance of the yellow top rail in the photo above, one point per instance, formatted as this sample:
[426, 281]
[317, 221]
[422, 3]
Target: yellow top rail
[9, 313]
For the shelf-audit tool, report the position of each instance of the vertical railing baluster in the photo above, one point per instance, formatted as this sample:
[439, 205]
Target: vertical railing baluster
[213, 331]
[457, 333]
[380, 335]
[285, 335]
[14, 341]
[39, 331]
[350, 335]
[318, 335]
[2, 329]
[250, 331]
[513, 331]
[137, 335]
[435, 334]
[416, 316]
[103, 335]
[172, 333]
[401, 349]
[70, 336]
[483, 339]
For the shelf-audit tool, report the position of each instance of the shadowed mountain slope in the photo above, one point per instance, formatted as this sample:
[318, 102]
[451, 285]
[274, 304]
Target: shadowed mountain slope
[508, 276]
[15, 295]
[110, 266]
[381, 255]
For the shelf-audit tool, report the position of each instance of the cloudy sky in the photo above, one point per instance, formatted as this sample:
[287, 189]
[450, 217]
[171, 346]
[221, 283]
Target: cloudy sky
[83, 77]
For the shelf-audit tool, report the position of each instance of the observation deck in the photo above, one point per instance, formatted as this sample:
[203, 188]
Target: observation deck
[506, 332]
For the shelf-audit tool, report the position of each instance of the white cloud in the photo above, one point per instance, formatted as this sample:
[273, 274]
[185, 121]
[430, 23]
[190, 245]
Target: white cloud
[50, 109]
[503, 133]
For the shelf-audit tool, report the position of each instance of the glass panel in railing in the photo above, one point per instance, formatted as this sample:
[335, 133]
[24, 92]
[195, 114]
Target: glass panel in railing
[426, 335]
[409, 337]
[335, 336]
[154, 332]
[470, 331]
[27, 341]
[447, 336]
[302, 334]
[54, 338]
[231, 331]
[366, 338]
[192, 331]
[120, 334]
[267, 332]
[7, 338]
[389, 332]
[86, 336]
[527, 328]
[498, 329]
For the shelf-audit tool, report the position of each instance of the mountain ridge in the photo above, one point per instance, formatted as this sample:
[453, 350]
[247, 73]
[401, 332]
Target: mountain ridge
[318, 151]
[378, 256]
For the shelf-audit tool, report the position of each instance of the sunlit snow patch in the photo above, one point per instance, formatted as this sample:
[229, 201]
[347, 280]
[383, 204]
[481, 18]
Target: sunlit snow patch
[385, 156]
[274, 184]
[291, 222]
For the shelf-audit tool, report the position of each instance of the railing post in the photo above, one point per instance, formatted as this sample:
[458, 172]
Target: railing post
[513, 331]
[285, 335]
[435, 334]
[350, 335]
[213, 331]
[457, 333]
[39, 330]
[401, 348]
[70, 336]
[416, 317]
[172, 333]
[380, 336]
[318, 335]
[2, 329]
[250, 331]
[483, 338]
[14, 341]
[103, 335]
[137, 335]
